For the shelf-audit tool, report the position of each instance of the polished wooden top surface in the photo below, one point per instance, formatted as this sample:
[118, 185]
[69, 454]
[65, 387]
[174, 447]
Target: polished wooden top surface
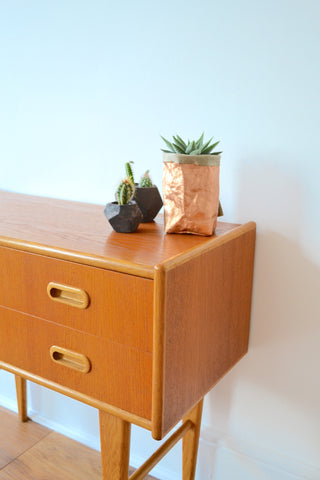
[80, 232]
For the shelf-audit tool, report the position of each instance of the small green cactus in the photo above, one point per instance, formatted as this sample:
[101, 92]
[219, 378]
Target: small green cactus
[125, 191]
[146, 180]
[195, 147]
[129, 171]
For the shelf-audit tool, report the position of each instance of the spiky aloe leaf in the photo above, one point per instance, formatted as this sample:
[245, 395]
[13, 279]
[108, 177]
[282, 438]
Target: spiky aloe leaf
[169, 144]
[199, 142]
[189, 148]
[209, 149]
[206, 145]
[183, 144]
[177, 148]
[193, 147]
[180, 144]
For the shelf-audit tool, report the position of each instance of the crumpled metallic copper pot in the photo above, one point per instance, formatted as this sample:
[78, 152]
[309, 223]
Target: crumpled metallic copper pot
[191, 193]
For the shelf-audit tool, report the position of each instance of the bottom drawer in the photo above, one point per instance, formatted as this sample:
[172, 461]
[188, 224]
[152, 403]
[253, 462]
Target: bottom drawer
[118, 375]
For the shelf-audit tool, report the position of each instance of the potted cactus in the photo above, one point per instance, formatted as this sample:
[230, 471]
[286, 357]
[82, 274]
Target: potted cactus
[124, 215]
[191, 186]
[148, 198]
[146, 195]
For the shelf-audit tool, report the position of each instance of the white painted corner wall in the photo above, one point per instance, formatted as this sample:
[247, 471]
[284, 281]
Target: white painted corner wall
[87, 86]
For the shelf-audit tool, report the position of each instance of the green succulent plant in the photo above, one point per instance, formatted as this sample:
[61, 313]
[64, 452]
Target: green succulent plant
[125, 191]
[194, 147]
[146, 180]
[129, 171]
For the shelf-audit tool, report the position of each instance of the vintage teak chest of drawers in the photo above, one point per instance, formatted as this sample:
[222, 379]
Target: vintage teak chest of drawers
[140, 326]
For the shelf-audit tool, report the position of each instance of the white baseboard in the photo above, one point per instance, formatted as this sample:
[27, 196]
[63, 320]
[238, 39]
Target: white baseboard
[77, 435]
[8, 403]
[220, 456]
[244, 461]
[137, 457]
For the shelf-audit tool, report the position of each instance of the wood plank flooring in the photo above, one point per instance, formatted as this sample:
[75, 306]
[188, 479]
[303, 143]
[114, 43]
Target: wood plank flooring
[29, 451]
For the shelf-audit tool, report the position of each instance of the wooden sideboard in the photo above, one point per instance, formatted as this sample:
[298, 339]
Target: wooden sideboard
[140, 326]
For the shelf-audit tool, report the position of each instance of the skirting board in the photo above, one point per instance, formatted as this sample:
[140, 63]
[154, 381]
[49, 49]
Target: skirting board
[234, 459]
[11, 404]
[220, 457]
[137, 454]
[219, 460]
[8, 403]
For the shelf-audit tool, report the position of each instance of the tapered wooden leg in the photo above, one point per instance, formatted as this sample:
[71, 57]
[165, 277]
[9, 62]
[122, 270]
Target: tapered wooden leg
[115, 446]
[21, 389]
[190, 443]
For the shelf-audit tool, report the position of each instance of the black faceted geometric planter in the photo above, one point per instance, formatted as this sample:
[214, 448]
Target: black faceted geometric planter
[123, 218]
[149, 202]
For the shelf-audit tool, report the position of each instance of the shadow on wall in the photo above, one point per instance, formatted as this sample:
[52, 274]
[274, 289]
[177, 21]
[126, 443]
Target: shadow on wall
[284, 352]
[284, 355]
[285, 321]
[286, 301]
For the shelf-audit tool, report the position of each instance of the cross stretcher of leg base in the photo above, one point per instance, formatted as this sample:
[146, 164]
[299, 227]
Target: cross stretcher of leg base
[115, 446]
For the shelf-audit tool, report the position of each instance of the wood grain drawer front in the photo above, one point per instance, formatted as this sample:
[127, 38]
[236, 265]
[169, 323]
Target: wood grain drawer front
[118, 375]
[119, 306]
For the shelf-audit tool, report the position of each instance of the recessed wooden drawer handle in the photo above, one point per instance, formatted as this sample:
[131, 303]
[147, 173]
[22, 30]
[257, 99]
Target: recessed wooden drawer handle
[70, 359]
[76, 297]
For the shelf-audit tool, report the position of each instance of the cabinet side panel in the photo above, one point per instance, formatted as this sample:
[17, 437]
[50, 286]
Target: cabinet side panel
[208, 303]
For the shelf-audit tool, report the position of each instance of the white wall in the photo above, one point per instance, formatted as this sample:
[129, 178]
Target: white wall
[86, 86]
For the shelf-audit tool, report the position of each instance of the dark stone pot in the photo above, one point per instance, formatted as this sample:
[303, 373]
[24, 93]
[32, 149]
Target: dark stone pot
[149, 201]
[123, 218]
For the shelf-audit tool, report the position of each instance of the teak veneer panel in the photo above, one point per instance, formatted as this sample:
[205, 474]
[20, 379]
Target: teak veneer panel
[203, 325]
[80, 232]
[120, 306]
[119, 375]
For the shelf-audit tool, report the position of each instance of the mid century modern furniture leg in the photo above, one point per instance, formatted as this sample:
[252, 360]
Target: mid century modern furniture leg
[190, 442]
[189, 432]
[115, 446]
[21, 389]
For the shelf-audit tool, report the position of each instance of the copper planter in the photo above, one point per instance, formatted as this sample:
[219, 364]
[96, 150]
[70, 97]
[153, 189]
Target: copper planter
[191, 193]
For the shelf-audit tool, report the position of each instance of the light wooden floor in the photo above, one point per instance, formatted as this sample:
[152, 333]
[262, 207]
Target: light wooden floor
[29, 451]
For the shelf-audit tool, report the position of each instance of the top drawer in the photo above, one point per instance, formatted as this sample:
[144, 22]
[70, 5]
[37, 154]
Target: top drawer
[120, 306]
